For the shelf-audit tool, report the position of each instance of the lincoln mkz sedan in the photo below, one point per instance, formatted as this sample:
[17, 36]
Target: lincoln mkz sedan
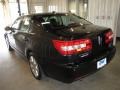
[63, 46]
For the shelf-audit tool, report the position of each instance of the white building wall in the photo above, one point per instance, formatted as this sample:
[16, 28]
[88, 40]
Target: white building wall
[104, 13]
[48, 5]
[118, 24]
[72, 6]
[33, 3]
[61, 5]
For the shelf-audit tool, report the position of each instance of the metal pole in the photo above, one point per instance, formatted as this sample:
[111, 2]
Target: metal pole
[19, 9]
[28, 6]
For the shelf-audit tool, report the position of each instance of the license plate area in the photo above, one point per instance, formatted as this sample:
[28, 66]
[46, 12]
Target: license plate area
[101, 63]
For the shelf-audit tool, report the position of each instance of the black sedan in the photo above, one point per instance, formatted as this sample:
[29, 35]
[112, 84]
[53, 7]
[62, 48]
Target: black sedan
[63, 46]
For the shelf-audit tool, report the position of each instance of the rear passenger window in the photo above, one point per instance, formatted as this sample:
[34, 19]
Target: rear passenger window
[25, 25]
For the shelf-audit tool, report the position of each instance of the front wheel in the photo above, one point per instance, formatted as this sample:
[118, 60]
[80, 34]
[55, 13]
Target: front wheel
[35, 67]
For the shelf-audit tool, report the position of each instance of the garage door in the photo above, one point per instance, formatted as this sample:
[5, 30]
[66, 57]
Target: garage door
[104, 13]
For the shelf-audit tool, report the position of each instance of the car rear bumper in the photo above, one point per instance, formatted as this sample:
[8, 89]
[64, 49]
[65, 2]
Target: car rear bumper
[71, 72]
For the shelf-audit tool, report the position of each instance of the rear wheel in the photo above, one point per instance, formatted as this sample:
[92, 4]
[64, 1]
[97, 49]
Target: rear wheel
[8, 44]
[35, 67]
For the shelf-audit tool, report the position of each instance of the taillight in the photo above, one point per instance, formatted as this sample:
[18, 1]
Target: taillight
[108, 37]
[72, 47]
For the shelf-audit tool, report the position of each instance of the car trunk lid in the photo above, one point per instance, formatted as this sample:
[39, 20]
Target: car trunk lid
[93, 32]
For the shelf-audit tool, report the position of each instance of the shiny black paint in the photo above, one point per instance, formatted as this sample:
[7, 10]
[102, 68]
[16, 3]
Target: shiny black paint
[39, 41]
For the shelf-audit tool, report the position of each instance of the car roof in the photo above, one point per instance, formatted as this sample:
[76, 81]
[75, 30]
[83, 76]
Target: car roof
[43, 14]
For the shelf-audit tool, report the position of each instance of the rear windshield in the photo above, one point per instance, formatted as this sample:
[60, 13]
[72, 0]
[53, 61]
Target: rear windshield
[63, 20]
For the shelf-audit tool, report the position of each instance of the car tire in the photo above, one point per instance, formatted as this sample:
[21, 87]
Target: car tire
[8, 44]
[35, 67]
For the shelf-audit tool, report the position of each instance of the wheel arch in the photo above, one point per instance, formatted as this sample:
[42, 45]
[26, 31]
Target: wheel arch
[27, 52]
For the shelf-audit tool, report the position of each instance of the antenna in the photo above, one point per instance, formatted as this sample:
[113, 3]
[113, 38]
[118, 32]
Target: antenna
[53, 12]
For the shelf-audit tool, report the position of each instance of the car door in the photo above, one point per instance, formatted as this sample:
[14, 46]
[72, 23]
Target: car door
[21, 37]
[15, 27]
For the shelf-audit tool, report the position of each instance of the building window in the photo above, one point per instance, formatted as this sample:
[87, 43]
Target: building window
[39, 9]
[52, 8]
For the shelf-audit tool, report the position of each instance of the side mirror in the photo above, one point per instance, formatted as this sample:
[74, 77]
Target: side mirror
[7, 28]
